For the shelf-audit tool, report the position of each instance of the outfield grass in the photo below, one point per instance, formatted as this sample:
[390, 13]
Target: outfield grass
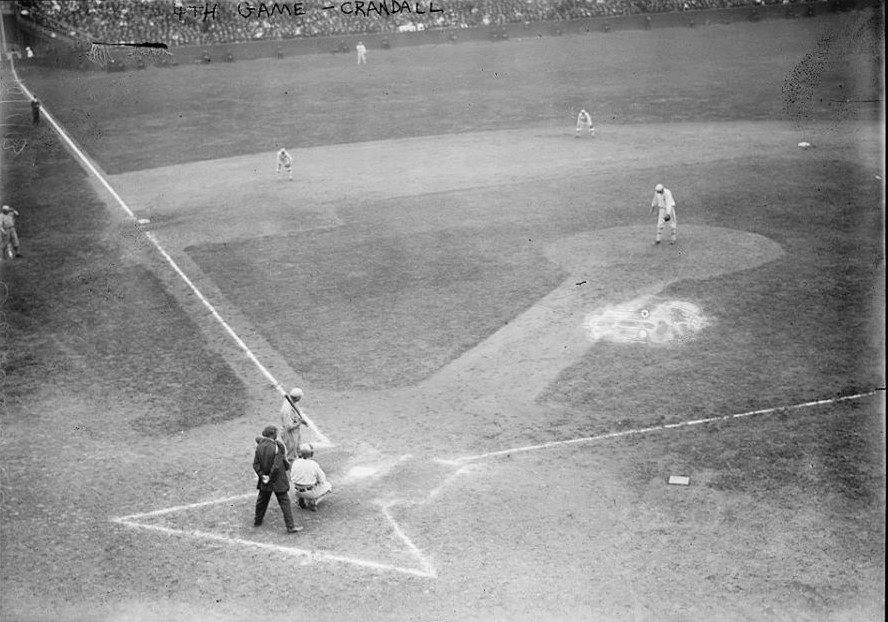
[708, 74]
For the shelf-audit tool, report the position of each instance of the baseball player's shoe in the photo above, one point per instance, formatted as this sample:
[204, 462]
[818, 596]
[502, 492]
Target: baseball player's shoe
[656, 242]
[302, 503]
[671, 242]
[294, 529]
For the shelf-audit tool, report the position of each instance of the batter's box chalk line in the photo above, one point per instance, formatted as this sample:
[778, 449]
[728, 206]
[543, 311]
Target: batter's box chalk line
[423, 568]
[656, 428]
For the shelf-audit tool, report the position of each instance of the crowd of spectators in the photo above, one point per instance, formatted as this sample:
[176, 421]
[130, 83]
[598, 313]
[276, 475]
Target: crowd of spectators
[173, 22]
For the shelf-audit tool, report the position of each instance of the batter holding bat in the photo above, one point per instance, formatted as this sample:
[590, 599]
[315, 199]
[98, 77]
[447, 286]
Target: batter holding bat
[291, 420]
[664, 202]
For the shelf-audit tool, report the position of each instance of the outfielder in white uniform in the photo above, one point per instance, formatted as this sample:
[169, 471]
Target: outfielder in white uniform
[665, 204]
[285, 163]
[362, 53]
[584, 119]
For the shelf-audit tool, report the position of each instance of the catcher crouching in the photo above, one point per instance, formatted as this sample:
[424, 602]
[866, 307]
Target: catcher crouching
[310, 483]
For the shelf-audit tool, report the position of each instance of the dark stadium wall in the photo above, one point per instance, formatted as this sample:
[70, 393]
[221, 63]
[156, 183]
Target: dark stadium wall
[346, 43]
[61, 51]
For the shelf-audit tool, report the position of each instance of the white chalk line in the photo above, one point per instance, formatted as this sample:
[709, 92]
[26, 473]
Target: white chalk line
[426, 562]
[426, 570]
[322, 438]
[437, 491]
[180, 508]
[189, 506]
[287, 550]
[657, 428]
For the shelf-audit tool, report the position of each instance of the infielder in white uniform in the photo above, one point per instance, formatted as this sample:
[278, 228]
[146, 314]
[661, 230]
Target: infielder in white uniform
[664, 202]
[362, 53]
[285, 163]
[584, 119]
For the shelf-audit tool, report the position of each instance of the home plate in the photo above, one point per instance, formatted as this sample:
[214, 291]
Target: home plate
[360, 472]
[144, 221]
[680, 480]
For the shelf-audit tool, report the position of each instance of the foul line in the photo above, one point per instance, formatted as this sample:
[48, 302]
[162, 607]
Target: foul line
[288, 550]
[322, 438]
[657, 428]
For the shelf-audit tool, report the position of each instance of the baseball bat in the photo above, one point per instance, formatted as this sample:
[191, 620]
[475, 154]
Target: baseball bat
[295, 408]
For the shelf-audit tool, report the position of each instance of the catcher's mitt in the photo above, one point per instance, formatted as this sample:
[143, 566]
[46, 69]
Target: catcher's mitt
[667, 218]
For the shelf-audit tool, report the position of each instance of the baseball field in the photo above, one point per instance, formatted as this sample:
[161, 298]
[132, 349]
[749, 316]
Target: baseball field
[501, 370]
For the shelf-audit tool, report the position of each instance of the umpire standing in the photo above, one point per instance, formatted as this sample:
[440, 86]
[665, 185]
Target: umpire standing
[271, 465]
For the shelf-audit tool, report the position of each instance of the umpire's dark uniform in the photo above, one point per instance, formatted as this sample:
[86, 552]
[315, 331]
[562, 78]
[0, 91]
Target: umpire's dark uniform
[271, 462]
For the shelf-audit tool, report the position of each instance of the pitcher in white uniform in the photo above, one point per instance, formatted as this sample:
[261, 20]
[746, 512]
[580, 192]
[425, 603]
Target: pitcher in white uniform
[664, 202]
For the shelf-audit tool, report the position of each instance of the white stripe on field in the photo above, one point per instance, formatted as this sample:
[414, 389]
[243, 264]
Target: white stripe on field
[323, 440]
[437, 491]
[179, 508]
[656, 428]
[288, 550]
[427, 565]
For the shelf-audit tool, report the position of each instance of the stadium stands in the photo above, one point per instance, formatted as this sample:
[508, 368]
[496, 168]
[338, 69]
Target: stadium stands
[128, 21]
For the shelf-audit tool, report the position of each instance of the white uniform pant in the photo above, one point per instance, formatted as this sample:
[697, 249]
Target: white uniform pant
[661, 223]
[314, 494]
[362, 58]
[9, 241]
[588, 126]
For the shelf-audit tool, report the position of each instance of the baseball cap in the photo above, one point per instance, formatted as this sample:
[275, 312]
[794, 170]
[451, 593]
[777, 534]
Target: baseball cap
[659, 188]
[6, 208]
[296, 392]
